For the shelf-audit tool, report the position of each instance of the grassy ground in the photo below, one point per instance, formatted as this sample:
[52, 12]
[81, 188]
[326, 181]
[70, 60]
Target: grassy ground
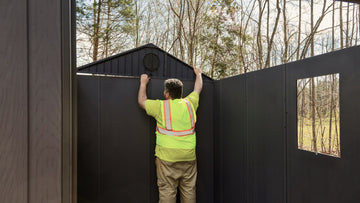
[322, 143]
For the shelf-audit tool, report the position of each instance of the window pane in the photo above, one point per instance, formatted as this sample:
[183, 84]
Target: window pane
[318, 114]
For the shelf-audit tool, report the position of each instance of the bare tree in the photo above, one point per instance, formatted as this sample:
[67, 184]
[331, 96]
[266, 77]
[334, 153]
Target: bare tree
[299, 33]
[259, 36]
[271, 41]
[341, 27]
[286, 42]
[313, 116]
[97, 12]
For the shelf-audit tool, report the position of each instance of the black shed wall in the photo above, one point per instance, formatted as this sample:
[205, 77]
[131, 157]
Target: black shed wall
[257, 158]
[251, 155]
[247, 139]
[117, 141]
[36, 78]
[315, 177]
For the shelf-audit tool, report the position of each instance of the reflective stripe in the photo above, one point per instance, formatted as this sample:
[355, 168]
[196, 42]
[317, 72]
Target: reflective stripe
[175, 133]
[168, 124]
[191, 113]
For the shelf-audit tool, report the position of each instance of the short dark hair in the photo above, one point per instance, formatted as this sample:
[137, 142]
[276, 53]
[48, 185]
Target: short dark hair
[174, 87]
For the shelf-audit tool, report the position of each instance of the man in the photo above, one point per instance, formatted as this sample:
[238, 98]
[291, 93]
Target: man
[175, 137]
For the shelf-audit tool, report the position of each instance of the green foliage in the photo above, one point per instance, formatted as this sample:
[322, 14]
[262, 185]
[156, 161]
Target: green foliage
[115, 22]
[222, 37]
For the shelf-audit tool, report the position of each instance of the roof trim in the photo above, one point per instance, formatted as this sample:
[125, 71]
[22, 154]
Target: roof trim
[350, 1]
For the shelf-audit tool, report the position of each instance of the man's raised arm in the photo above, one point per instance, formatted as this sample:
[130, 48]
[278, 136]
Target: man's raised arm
[144, 80]
[198, 81]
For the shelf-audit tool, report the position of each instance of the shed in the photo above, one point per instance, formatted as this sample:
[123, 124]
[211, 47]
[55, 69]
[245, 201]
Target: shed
[116, 139]
[246, 132]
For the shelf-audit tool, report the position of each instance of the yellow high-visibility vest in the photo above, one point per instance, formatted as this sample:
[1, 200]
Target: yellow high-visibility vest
[178, 129]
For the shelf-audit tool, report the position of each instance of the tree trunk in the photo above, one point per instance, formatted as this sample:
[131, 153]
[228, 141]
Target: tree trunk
[313, 116]
[302, 114]
[331, 110]
[268, 24]
[352, 25]
[299, 34]
[337, 134]
[333, 28]
[358, 32]
[137, 27]
[213, 60]
[267, 62]
[341, 27]
[312, 27]
[286, 42]
[107, 32]
[97, 12]
[347, 25]
[259, 37]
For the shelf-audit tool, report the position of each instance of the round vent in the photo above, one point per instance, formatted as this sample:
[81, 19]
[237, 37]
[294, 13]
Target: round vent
[151, 62]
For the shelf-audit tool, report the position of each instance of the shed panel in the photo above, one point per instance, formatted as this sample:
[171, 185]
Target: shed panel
[120, 138]
[232, 140]
[88, 139]
[266, 135]
[13, 102]
[124, 143]
[315, 177]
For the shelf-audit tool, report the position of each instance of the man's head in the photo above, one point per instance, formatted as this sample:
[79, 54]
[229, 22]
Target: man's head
[173, 88]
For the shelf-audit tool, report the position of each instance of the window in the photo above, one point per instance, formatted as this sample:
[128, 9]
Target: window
[318, 114]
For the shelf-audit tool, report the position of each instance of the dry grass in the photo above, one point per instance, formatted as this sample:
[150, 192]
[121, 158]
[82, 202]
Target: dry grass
[322, 137]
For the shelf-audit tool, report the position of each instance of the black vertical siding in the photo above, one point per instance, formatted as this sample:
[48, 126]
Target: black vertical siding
[121, 66]
[13, 101]
[232, 140]
[117, 141]
[247, 140]
[88, 139]
[257, 158]
[130, 63]
[316, 177]
[124, 143]
[35, 115]
[265, 134]
[45, 101]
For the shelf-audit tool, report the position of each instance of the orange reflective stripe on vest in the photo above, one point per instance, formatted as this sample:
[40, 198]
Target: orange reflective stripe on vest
[168, 122]
[192, 118]
[167, 115]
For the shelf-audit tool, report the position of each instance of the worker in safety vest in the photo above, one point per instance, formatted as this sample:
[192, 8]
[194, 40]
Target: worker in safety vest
[175, 137]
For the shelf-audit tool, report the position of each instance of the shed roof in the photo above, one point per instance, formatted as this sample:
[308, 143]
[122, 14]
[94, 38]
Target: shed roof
[351, 1]
[148, 59]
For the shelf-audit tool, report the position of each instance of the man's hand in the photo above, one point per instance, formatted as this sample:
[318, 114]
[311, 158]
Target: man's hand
[144, 80]
[198, 81]
[197, 71]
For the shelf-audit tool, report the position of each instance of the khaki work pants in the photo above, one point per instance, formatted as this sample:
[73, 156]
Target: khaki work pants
[171, 175]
